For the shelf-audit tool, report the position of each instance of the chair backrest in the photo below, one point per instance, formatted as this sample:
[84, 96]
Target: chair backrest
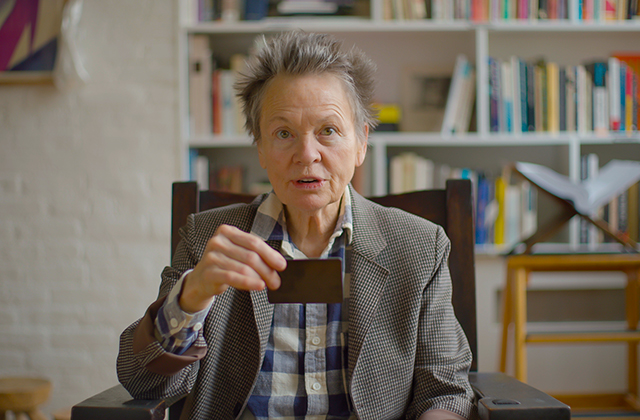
[451, 208]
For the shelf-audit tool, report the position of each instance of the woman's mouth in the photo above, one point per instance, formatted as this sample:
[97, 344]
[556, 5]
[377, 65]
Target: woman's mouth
[309, 183]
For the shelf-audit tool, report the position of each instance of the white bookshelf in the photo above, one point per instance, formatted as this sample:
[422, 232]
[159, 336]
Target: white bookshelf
[394, 44]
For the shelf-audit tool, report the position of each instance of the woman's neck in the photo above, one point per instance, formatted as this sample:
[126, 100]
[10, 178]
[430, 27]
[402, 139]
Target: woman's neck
[311, 232]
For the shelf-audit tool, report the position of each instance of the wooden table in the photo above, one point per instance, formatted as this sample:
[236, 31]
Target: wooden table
[515, 313]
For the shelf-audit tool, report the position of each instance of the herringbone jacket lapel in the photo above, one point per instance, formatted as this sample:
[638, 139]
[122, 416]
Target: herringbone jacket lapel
[368, 278]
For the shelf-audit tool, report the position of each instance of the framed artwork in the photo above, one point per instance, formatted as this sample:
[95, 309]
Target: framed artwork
[29, 37]
[423, 97]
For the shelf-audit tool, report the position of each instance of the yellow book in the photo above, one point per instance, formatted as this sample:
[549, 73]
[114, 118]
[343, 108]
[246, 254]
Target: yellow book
[553, 97]
[628, 102]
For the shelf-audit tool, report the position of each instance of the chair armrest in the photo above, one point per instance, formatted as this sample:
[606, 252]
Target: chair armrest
[116, 403]
[503, 397]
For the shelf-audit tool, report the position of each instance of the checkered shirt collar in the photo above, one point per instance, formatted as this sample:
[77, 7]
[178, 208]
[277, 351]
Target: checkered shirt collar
[270, 224]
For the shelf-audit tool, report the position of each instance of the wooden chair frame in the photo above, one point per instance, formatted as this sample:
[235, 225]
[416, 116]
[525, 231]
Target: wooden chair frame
[499, 396]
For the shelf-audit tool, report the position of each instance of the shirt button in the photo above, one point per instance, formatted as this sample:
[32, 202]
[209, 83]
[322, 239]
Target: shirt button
[173, 322]
[315, 341]
[197, 327]
[316, 386]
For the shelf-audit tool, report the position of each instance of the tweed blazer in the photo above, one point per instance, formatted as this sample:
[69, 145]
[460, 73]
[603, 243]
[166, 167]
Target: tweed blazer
[407, 351]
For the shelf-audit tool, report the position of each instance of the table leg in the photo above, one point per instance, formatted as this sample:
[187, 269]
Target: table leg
[633, 315]
[520, 321]
[507, 311]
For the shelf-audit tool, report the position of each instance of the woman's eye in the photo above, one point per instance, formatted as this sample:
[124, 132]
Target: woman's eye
[328, 131]
[283, 134]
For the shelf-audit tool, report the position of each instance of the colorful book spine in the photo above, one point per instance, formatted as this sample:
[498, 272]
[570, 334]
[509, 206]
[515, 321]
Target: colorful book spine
[494, 94]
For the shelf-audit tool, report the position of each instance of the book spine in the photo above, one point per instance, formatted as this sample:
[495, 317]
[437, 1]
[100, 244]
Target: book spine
[481, 206]
[524, 93]
[570, 99]
[454, 94]
[544, 98]
[614, 94]
[531, 95]
[494, 89]
[507, 98]
[623, 96]
[635, 97]
[553, 88]
[600, 111]
[562, 99]
[629, 100]
[516, 95]
[581, 88]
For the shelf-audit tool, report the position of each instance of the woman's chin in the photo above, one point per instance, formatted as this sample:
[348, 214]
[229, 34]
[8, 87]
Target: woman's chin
[308, 202]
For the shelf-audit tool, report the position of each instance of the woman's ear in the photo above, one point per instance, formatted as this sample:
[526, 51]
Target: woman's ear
[362, 146]
[261, 157]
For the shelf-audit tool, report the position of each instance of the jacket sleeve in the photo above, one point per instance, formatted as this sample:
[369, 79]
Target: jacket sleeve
[144, 368]
[443, 357]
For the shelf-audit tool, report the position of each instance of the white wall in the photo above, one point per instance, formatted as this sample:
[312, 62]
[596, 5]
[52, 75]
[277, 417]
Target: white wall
[85, 186]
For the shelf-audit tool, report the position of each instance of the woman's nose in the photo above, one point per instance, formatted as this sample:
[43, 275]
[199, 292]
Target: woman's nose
[307, 150]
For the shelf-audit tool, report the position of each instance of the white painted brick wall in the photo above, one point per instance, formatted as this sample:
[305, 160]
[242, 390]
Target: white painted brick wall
[85, 184]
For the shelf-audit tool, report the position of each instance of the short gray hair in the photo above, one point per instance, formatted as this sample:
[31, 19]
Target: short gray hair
[299, 53]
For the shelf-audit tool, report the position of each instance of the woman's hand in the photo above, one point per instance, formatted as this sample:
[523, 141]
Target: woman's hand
[231, 258]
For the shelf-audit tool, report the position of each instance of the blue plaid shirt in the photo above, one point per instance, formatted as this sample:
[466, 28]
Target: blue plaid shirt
[303, 375]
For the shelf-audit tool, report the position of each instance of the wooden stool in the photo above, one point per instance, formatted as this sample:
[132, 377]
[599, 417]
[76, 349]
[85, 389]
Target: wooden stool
[22, 396]
[515, 312]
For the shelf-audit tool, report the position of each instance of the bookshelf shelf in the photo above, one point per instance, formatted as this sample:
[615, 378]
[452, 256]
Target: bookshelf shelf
[366, 25]
[563, 26]
[335, 24]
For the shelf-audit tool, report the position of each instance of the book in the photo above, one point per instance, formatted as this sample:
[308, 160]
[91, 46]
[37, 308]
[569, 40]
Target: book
[582, 99]
[531, 116]
[465, 109]
[459, 98]
[517, 94]
[482, 201]
[553, 97]
[410, 172]
[255, 9]
[614, 94]
[598, 72]
[494, 94]
[506, 116]
[562, 98]
[587, 196]
[570, 98]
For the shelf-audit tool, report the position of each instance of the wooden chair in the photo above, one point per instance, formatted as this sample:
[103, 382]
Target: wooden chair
[499, 396]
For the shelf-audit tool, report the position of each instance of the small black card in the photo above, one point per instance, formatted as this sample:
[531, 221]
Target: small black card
[310, 281]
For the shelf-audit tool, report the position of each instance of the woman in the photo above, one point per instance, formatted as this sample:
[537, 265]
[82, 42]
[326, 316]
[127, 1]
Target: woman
[393, 349]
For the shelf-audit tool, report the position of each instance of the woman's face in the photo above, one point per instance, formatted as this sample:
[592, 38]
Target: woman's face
[308, 141]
